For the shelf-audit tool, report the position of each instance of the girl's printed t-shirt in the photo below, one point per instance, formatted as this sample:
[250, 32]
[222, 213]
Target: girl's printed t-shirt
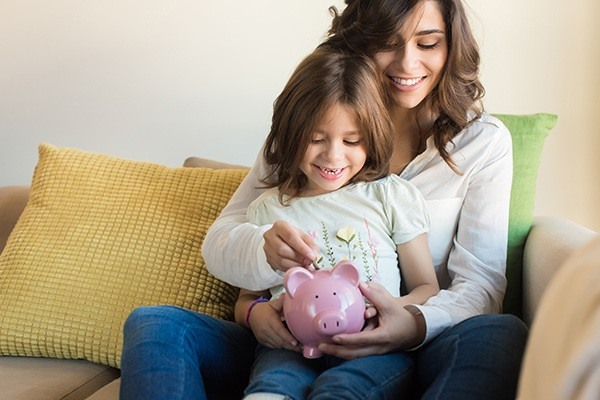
[362, 222]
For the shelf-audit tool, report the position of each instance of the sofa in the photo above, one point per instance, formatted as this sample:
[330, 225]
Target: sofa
[46, 369]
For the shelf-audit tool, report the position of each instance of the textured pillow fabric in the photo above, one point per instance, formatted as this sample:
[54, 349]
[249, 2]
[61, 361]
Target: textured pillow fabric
[528, 134]
[100, 236]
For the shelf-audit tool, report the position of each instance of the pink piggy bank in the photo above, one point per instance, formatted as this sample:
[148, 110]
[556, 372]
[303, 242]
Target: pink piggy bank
[321, 304]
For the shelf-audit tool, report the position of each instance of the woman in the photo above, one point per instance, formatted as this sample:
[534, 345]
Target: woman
[461, 160]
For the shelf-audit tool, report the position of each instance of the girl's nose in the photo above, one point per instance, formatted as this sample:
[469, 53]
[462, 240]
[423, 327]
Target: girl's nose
[334, 151]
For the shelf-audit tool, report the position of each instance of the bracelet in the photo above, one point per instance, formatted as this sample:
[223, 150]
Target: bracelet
[251, 306]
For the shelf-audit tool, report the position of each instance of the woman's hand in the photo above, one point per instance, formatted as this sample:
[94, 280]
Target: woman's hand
[265, 322]
[391, 327]
[287, 247]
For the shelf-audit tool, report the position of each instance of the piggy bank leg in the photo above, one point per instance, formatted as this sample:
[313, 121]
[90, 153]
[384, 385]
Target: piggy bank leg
[312, 352]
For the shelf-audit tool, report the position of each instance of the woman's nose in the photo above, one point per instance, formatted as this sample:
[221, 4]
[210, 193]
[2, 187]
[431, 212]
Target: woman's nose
[407, 57]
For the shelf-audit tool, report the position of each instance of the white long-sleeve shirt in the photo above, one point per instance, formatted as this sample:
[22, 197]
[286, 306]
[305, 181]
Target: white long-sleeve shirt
[467, 237]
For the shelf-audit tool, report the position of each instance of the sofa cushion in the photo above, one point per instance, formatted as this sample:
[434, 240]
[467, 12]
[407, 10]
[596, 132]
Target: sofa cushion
[108, 392]
[26, 378]
[100, 236]
[528, 133]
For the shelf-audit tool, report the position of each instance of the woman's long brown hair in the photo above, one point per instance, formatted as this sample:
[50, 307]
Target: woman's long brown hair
[367, 27]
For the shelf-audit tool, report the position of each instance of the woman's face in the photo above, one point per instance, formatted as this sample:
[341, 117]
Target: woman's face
[417, 55]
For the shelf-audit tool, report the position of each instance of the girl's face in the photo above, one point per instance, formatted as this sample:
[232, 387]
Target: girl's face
[416, 57]
[335, 154]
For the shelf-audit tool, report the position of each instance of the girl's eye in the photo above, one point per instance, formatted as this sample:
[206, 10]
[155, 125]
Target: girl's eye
[352, 142]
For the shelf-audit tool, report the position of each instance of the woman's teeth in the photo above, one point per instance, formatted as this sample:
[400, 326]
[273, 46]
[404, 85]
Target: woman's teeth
[407, 82]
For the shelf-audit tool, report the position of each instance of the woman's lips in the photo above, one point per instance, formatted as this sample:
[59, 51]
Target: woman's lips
[406, 84]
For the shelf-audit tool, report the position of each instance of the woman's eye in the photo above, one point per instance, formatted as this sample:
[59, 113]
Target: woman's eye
[315, 141]
[427, 46]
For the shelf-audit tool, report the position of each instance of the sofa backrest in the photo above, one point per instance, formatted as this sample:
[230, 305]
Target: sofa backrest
[12, 202]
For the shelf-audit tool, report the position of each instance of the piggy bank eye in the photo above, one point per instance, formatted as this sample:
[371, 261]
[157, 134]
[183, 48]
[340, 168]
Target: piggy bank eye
[316, 296]
[334, 293]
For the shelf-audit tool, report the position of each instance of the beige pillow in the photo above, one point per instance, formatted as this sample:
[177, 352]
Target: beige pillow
[100, 236]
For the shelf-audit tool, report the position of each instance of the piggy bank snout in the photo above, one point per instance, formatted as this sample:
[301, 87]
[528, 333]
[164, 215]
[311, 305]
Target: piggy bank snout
[330, 322]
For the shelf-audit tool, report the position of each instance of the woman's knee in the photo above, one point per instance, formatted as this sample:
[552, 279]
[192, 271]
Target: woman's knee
[505, 330]
[154, 322]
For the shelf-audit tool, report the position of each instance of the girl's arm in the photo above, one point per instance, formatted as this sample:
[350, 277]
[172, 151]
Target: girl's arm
[417, 269]
[264, 318]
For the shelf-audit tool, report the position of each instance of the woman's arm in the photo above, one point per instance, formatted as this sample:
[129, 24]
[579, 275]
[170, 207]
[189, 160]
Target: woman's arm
[246, 255]
[477, 260]
[233, 248]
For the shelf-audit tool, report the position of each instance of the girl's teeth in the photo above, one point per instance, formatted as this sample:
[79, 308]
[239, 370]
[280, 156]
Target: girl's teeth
[331, 171]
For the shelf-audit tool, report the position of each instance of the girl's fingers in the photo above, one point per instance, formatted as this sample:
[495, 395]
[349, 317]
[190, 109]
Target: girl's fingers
[287, 247]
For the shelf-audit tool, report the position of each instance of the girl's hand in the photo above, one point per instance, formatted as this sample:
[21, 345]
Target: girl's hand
[265, 322]
[391, 328]
[286, 247]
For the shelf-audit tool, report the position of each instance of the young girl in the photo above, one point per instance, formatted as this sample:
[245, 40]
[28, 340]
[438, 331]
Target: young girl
[328, 154]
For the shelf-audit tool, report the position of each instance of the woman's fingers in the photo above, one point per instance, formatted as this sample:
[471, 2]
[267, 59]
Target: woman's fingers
[377, 296]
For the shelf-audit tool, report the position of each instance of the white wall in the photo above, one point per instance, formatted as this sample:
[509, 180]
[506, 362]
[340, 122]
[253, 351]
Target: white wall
[160, 80]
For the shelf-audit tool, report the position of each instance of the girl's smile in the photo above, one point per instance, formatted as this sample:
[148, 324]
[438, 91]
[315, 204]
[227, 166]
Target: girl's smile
[335, 154]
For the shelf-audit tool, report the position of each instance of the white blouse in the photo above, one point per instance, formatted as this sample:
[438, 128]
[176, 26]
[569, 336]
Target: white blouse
[467, 237]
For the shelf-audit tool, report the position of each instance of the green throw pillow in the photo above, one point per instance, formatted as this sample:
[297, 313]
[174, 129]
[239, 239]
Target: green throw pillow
[528, 133]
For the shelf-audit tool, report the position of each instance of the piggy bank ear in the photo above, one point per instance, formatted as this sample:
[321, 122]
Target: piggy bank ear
[348, 271]
[294, 277]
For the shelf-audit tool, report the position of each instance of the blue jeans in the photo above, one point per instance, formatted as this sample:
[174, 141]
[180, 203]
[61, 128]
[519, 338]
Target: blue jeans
[173, 353]
[479, 358]
[289, 373]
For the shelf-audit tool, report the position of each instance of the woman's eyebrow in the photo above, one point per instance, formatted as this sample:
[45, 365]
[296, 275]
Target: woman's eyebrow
[429, 32]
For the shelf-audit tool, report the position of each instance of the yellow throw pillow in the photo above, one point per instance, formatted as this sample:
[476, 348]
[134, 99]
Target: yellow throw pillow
[100, 236]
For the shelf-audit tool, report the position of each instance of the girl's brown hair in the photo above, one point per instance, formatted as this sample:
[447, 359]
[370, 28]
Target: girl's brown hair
[326, 78]
[367, 27]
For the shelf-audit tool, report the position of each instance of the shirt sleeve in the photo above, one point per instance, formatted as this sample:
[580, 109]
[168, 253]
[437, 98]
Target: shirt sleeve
[477, 260]
[406, 208]
[233, 248]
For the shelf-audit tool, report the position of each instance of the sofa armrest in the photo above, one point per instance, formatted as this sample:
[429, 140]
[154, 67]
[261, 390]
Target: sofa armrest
[12, 202]
[550, 241]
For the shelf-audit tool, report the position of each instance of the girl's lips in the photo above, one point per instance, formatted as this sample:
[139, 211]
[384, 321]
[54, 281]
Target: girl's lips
[330, 173]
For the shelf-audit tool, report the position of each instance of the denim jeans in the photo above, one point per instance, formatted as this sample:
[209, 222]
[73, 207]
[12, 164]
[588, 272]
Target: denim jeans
[479, 358]
[173, 353]
[291, 374]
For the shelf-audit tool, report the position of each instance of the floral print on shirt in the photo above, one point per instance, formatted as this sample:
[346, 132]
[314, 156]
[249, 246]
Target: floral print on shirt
[353, 246]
